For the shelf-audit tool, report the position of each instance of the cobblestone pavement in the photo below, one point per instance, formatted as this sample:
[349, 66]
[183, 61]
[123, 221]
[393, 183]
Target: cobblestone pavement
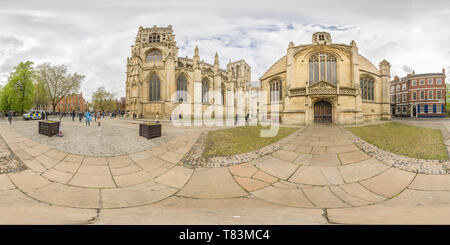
[317, 177]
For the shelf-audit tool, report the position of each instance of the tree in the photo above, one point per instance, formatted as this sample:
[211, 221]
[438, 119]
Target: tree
[57, 82]
[4, 99]
[122, 103]
[20, 87]
[104, 100]
[41, 97]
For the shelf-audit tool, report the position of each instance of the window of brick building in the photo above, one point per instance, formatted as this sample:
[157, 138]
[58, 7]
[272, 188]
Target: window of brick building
[404, 97]
[414, 95]
[430, 94]
[422, 81]
[422, 95]
[414, 82]
[430, 81]
[404, 86]
[439, 81]
[438, 95]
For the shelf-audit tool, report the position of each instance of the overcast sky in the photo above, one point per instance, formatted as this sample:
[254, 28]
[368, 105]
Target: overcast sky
[93, 38]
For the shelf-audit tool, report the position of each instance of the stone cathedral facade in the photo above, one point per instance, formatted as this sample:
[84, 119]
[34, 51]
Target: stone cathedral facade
[158, 80]
[324, 82]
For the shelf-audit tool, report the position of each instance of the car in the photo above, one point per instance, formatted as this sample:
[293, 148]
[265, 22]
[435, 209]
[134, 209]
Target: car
[34, 115]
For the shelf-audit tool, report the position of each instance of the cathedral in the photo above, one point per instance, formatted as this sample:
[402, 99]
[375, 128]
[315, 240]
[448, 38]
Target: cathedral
[158, 81]
[324, 82]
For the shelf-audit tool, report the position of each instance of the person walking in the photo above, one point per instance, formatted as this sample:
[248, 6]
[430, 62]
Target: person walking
[88, 117]
[98, 119]
[157, 118]
[9, 116]
[236, 120]
[73, 116]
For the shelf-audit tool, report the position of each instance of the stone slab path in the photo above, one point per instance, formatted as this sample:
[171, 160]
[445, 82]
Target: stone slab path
[318, 177]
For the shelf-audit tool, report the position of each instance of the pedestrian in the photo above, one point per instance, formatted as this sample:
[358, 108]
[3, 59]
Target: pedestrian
[10, 117]
[87, 115]
[236, 119]
[73, 116]
[157, 118]
[80, 116]
[134, 115]
[246, 118]
[98, 119]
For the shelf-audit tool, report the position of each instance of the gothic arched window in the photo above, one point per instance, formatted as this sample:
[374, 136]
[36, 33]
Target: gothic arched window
[155, 88]
[181, 89]
[154, 55]
[367, 88]
[154, 38]
[322, 67]
[275, 90]
[205, 90]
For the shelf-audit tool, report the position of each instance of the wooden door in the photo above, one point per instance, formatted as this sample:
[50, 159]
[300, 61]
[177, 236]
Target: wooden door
[322, 112]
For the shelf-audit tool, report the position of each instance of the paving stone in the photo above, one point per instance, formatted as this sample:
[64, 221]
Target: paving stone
[289, 147]
[74, 158]
[332, 175]
[132, 178]
[30, 143]
[361, 170]
[342, 148]
[97, 170]
[172, 157]
[351, 157]
[23, 155]
[319, 150]
[303, 159]
[244, 169]
[328, 159]
[389, 183]
[263, 176]
[70, 196]
[151, 164]
[5, 183]
[212, 183]
[119, 161]
[348, 198]
[322, 197]
[55, 154]
[362, 193]
[322, 143]
[92, 181]
[136, 157]
[69, 167]
[137, 195]
[176, 177]
[95, 161]
[284, 155]
[309, 175]
[285, 184]
[35, 165]
[47, 161]
[38, 150]
[304, 149]
[431, 182]
[31, 212]
[28, 180]
[250, 184]
[57, 176]
[276, 167]
[131, 168]
[156, 151]
[288, 197]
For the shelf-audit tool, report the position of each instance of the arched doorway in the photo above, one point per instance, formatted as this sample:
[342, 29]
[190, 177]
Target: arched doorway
[322, 112]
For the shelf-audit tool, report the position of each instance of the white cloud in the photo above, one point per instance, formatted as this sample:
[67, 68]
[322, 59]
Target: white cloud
[94, 38]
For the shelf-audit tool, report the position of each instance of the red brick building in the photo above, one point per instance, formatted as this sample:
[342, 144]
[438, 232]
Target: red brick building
[72, 102]
[419, 95]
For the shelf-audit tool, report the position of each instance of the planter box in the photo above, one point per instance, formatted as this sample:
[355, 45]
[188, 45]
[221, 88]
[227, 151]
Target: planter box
[48, 128]
[149, 130]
